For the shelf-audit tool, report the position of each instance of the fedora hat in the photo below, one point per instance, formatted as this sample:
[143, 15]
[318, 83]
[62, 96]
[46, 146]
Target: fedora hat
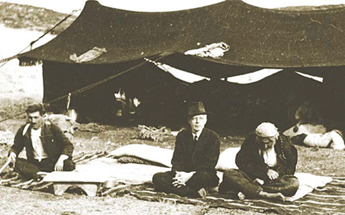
[196, 108]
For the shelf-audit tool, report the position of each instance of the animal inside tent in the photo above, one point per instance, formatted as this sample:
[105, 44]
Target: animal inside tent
[215, 41]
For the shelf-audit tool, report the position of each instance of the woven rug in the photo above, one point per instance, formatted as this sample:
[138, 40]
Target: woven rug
[324, 200]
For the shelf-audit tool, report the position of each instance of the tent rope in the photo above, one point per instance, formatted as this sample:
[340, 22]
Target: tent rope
[5, 60]
[90, 86]
[68, 100]
[158, 64]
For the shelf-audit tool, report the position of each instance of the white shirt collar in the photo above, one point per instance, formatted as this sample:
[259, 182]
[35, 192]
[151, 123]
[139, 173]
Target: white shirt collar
[197, 134]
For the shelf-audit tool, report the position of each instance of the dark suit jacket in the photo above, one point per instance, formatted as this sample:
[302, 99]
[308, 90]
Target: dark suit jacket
[203, 157]
[252, 163]
[53, 140]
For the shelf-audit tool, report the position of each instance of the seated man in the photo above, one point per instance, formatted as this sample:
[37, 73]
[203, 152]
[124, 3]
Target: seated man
[47, 148]
[267, 163]
[194, 159]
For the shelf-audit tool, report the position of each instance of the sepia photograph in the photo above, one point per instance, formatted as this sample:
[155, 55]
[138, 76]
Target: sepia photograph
[199, 107]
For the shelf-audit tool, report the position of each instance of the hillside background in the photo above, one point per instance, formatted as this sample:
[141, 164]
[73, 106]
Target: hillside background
[32, 18]
[19, 26]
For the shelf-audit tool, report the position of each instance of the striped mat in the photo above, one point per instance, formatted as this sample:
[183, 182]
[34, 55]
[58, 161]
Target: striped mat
[326, 200]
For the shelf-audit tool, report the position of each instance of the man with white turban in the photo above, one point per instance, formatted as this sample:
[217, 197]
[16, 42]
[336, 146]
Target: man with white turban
[267, 163]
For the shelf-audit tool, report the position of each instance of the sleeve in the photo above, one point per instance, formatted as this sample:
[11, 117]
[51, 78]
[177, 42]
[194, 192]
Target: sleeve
[177, 159]
[63, 141]
[18, 144]
[287, 158]
[209, 162]
[249, 161]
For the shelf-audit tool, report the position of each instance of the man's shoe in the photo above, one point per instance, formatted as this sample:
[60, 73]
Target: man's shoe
[241, 196]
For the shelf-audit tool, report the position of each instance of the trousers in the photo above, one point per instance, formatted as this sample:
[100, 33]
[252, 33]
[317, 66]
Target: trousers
[29, 169]
[201, 179]
[235, 181]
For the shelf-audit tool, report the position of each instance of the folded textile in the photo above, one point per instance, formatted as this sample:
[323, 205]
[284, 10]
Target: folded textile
[307, 183]
[146, 152]
[139, 153]
[130, 173]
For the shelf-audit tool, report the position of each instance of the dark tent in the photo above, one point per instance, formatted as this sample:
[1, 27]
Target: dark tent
[257, 37]
[240, 107]
[117, 41]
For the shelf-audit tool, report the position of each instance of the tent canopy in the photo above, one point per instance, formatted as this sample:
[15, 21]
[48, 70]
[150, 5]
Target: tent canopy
[257, 37]
[103, 42]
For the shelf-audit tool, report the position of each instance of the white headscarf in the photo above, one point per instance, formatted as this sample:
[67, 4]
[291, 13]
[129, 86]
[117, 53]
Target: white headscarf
[266, 129]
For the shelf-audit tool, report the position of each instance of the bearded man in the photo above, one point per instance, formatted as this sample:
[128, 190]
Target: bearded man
[267, 163]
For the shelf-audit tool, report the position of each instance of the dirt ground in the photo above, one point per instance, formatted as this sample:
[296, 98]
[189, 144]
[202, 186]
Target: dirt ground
[15, 201]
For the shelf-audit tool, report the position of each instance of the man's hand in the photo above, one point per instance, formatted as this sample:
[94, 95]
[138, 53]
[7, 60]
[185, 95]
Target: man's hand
[59, 163]
[181, 178]
[272, 174]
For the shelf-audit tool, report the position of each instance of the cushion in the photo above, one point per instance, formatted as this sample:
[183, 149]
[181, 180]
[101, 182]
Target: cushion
[146, 154]
[227, 158]
[153, 154]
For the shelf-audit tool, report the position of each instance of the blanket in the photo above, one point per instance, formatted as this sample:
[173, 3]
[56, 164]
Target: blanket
[146, 154]
[317, 194]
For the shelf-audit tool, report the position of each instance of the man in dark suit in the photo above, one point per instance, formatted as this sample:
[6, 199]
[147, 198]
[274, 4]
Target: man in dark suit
[267, 162]
[47, 148]
[195, 157]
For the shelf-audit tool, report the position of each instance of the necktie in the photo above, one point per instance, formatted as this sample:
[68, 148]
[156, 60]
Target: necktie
[195, 140]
